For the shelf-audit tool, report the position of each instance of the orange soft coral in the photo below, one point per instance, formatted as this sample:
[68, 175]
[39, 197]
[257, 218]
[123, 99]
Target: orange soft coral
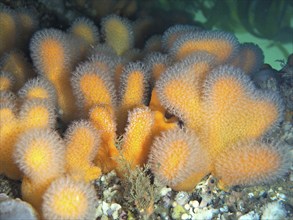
[51, 55]
[7, 81]
[68, 199]
[118, 33]
[221, 44]
[103, 119]
[226, 109]
[82, 142]
[16, 63]
[251, 162]
[138, 137]
[38, 88]
[178, 160]
[85, 29]
[9, 133]
[37, 113]
[250, 58]
[8, 26]
[134, 91]
[39, 154]
[179, 92]
[235, 109]
[86, 78]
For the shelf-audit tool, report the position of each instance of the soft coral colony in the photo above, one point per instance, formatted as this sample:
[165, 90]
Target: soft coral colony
[185, 104]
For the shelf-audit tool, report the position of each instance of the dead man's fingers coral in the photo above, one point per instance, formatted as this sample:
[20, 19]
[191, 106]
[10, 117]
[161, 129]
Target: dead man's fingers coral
[9, 97]
[221, 44]
[235, 110]
[178, 159]
[118, 33]
[200, 64]
[28, 20]
[8, 27]
[37, 113]
[69, 199]
[86, 33]
[174, 32]
[134, 91]
[40, 154]
[38, 88]
[251, 162]
[82, 141]
[103, 119]
[9, 133]
[52, 56]
[7, 81]
[179, 92]
[104, 62]
[85, 29]
[138, 137]
[250, 58]
[92, 86]
[153, 44]
[16, 63]
[157, 64]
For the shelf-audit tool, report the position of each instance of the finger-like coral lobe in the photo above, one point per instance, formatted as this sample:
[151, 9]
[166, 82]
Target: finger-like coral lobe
[174, 32]
[179, 92]
[39, 154]
[221, 44]
[86, 78]
[7, 81]
[38, 88]
[37, 113]
[134, 91]
[104, 62]
[103, 119]
[251, 162]
[16, 63]
[153, 44]
[157, 64]
[200, 64]
[50, 52]
[82, 141]
[118, 33]
[250, 58]
[86, 30]
[52, 57]
[8, 26]
[9, 132]
[68, 199]
[138, 136]
[27, 17]
[177, 159]
[235, 109]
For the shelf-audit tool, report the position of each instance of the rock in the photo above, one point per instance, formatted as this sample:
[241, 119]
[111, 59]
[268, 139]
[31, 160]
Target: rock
[185, 216]
[99, 211]
[13, 209]
[206, 214]
[187, 207]
[274, 210]
[164, 191]
[105, 208]
[291, 176]
[115, 209]
[194, 203]
[177, 212]
[250, 216]
[182, 198]
[224, 209]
